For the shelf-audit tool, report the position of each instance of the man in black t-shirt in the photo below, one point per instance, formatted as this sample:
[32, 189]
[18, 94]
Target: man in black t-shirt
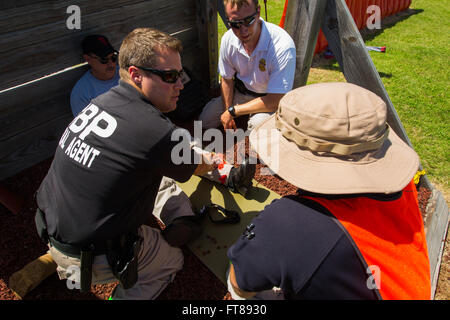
[108, 168]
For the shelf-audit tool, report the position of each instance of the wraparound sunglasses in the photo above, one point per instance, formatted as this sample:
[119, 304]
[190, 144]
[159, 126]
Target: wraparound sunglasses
[105, 60]
[248, 21]
[169, 76]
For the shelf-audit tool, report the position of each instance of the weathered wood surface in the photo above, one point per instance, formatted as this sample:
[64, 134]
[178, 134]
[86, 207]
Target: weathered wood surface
[36, 45]
[436, 226]
[222, 14]
[32, 118]
[208, 39]
[35, 41]
[350, 51]
[303, 22]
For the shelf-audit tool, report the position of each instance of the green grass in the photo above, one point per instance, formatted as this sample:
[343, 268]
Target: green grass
[417, 61]
[415, 72]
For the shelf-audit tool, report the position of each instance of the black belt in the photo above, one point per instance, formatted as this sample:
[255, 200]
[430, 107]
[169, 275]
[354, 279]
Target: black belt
[240, 86]
[75, 251]
[68, 249]
[85, 254]
[123, 264]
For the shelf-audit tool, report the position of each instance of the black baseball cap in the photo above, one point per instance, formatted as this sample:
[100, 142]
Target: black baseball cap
[97, 44]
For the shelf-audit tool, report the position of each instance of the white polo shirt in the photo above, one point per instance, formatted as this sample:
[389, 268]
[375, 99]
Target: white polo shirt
[271, 66]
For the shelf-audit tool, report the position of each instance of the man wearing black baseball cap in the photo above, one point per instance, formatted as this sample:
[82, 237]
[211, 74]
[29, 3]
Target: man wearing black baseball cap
[102, 76]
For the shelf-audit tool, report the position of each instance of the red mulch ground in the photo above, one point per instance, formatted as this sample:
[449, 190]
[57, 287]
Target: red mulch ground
[20, 244]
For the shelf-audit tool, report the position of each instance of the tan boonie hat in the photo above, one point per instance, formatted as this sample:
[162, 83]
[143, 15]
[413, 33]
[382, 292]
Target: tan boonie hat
[332, 138]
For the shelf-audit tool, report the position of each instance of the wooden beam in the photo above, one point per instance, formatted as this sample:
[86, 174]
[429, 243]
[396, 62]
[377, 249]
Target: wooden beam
[303, 20]
[208, 37]
[350, 51]
[222, 14]
[436, 227]
[37, 53]
[35, 40]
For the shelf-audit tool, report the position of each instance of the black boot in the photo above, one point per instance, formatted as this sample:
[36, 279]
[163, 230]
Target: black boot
[240, 178]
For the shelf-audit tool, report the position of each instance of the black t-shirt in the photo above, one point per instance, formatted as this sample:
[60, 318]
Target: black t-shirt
[301, 250]
[108, 167]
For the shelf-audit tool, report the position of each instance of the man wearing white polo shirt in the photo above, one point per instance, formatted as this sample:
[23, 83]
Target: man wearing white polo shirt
[257, 66]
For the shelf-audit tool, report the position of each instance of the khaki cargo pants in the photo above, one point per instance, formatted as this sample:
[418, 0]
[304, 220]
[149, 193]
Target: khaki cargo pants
[158, 264]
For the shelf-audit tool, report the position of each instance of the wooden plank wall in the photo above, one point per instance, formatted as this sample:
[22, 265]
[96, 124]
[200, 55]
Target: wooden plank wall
[35, 42]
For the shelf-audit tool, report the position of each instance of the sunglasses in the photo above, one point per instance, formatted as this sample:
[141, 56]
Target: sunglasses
[113, 58]
[248, 21]
[169, 76]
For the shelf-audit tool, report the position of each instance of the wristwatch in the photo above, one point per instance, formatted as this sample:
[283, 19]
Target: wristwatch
[232, 111]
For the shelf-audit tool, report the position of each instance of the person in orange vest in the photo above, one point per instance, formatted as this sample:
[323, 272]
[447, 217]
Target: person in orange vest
[354, 229]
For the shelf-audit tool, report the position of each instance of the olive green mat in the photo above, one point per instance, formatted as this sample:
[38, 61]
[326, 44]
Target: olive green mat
[212, 245]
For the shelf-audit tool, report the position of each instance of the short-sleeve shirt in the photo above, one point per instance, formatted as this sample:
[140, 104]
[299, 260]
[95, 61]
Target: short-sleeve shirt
[302, 251]
[108, 167]
[87, 88]
[271, 66]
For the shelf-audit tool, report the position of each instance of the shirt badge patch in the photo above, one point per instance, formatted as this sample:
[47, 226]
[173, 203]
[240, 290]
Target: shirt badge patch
[262, 65]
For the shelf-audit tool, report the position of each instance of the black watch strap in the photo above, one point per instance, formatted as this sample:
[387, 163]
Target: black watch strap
[232, 111]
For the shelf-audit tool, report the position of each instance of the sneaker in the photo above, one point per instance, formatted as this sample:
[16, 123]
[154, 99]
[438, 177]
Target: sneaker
[240, 178]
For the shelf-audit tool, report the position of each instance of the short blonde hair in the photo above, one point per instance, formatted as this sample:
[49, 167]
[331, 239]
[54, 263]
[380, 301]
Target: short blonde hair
[240, 3]
[142, 46]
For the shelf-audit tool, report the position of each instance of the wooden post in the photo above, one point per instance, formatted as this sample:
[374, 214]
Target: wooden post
[303, 20]
[350, 51]
[222, 14]
[436, 226]
[356, 64]
[207, 29]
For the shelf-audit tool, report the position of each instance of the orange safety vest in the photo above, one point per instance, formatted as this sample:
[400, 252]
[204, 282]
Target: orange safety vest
[391, 238]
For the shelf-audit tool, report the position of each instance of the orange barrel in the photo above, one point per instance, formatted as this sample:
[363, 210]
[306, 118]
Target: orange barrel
[349, 6]
[378, 4]
[408, 2]
[390, 8]
[283, 17]
[402, 5]
[356, 13]
[360, 13]
[396, 6]
[384, 5]
[321, 43]
[364, 15]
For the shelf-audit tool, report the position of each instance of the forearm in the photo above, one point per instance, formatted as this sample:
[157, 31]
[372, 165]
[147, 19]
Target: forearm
[235, 287]
[227, 92]
[267, 103]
